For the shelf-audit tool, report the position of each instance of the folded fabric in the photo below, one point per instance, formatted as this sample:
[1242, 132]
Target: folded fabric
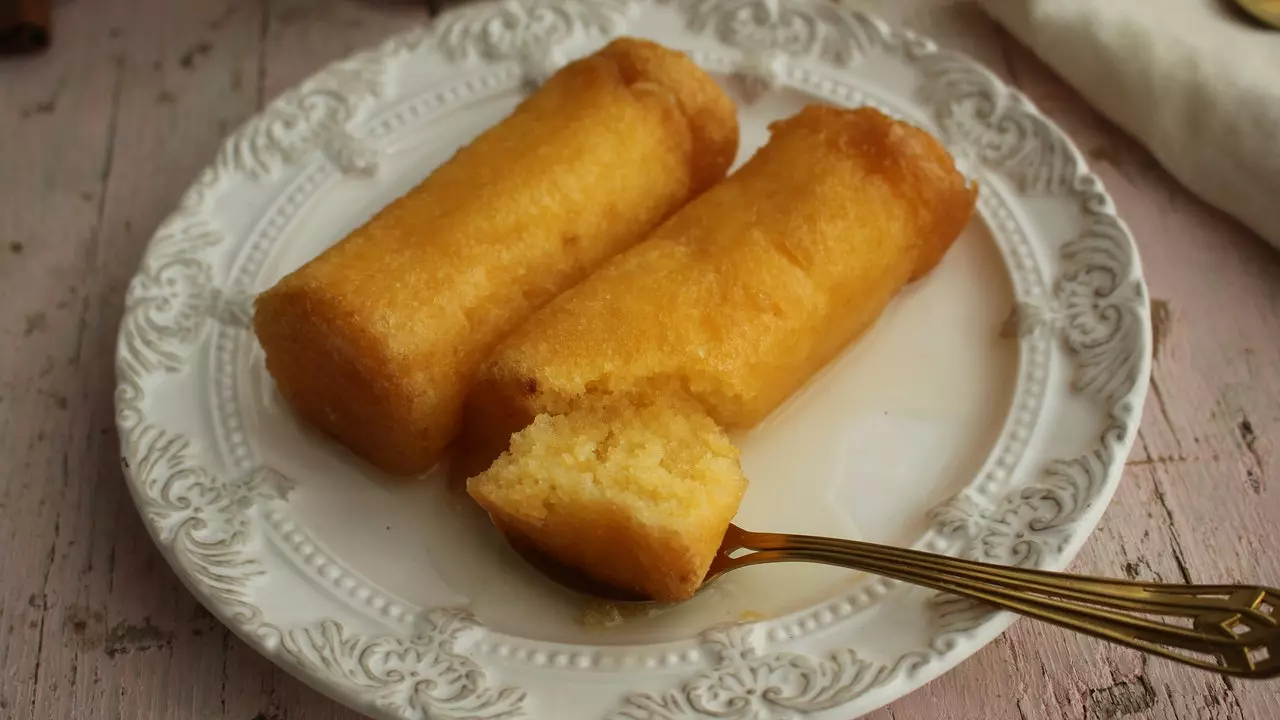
[1192, 80]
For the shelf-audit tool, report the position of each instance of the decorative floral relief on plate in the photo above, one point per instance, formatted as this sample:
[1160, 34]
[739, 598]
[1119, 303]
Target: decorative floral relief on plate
[1081, 319]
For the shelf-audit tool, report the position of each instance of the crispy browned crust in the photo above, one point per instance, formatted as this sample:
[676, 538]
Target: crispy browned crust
[745, 293]
[377, 340]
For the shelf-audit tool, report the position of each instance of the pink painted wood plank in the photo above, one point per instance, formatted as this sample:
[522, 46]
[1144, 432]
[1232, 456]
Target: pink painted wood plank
[50, 204]
[115, 637]
[303, 36]
[119, 639]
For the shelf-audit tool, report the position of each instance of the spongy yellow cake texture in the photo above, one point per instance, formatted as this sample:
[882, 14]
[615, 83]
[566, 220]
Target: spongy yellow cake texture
[746, 292]
[376, 341]
[637, 495]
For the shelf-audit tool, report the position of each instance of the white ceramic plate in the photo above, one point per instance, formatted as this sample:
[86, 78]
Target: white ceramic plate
[988, 414]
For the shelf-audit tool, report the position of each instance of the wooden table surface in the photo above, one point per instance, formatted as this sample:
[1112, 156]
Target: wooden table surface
[99, 137]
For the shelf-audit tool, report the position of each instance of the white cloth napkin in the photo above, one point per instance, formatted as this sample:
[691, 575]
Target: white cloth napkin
[1191, 80]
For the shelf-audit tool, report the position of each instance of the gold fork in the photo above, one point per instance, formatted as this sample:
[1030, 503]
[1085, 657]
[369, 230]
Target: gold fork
[1228, 629]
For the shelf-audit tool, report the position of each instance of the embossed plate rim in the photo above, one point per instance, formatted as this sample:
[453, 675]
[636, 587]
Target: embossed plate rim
[391, 662]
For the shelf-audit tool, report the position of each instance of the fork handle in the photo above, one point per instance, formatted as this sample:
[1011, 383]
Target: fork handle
[1229, 629]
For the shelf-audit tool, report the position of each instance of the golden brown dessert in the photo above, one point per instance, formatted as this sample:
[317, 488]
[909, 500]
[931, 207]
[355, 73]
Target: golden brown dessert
[742, 295]
[377, 340]
[634, 494]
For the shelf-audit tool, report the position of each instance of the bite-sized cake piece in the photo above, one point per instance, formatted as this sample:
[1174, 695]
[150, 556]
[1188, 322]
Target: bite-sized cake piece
[745, 293]
[377, 340]
[634, 494]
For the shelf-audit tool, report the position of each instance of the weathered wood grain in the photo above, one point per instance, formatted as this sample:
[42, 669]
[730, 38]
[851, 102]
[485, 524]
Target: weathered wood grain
[113, 638]
[108, 129]
[97, 140]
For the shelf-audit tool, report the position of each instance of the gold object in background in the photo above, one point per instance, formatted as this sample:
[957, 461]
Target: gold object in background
[1266, 11]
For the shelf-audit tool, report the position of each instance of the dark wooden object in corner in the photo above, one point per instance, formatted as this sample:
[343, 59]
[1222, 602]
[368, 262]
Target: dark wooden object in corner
[25, 26]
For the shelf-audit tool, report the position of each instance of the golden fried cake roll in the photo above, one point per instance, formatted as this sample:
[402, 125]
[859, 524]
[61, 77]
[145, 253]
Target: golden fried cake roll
[635, 494]
[747, 291]
[377, 340]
